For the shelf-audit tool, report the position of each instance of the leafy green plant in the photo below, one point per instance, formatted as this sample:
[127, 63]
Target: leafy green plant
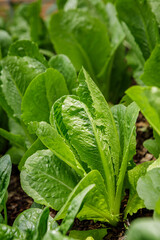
[89, 30]
[141, 30]
[148, 191]
[148, 186]
[23, 64]
[84, 136]
[36, 224]
[27, 24]
[144, 229]
[147, 98]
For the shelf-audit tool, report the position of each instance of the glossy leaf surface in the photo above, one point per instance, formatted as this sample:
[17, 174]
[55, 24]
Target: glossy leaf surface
[75, 33]
[141, 22]
[52, 140]
[48, 179]
[65, 67]
[95, 206]
[147, 98]
[151, 73]
[5, 172]
[148, 188]
[42, 92]
[73, 209]
[16, 75]
[135, 202]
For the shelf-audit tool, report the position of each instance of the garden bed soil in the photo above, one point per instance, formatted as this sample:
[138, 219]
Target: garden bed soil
[18, 201]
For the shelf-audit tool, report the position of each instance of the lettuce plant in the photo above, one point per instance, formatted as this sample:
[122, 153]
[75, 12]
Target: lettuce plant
[90, 34]
[88, 143]
[144, 229]
[23, 64]
[26, 24]
[148, 191]
[147, 98]
[142, 34]
[36, 224]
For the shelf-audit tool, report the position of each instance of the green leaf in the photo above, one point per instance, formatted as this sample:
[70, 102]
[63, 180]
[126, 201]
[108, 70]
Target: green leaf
[144, 229]
[108, 72]
[125, 119]
[37, 145]
[5, 42]
[10, 233]
[66, 68]
[41, 226]
[37, 205]
[147, 98]
[95, 206]
[103, 125]
[105, 13]
[40, 95]
[82, 38]
[115, 29]
[73, 209]
[34, 20]
[96, 234]
[151, 73]
[16, 75]
[155, 5]
[103, 120]
[16, 154]
[153, 146]
[134, 56]
[155, 164]
[47, 179]
[27, 48]
[5, 172]
[148, 188]
[19, 27]
[27, 222]
[138, 16]
[27, 23]
[52, 140]
[134, 202]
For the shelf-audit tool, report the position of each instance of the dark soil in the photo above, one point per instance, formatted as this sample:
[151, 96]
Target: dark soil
[18, 201]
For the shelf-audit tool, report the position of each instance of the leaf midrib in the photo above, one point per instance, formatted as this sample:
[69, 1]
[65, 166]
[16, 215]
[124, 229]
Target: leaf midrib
[56, 179]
